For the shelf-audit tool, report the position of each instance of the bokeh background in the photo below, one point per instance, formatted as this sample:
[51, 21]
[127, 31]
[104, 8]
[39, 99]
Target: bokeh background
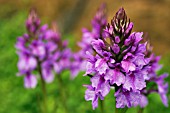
[150, 16]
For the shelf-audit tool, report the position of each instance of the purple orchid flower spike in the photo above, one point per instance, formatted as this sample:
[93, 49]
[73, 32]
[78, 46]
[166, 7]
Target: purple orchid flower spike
[41, 50]
[119, 58]
[98, 23]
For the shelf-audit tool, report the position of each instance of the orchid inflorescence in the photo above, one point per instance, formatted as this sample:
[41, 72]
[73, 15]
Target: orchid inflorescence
[41, 51]
[118, 59]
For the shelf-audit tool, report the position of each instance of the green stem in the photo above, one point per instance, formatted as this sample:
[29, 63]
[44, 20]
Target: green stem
[62, 92]
[116, 110]
[55, 102]
[121, 110]
[102, 106]
[38, 103]
[43, 88]
[140, 110]
[55, 107]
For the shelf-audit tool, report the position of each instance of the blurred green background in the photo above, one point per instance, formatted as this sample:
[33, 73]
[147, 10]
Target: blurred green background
[151, 16]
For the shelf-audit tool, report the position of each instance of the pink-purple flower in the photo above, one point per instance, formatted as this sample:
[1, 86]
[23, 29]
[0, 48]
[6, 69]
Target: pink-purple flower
[118, 57]
[98, 23]
[42, 53]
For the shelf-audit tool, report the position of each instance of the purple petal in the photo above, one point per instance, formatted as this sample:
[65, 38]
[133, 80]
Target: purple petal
[95, 81]
[116, 48]
[38, 48]
[128, 99]
[128, 66]
[101, 66]
[32, 62]
[89, 94]
[143, 101]
[27, 63]
[117, 39]
[89, 68]
[121, 101]
[141, 48]
[138, 37]
[98, 45]
[163, 88]
[140, 61]
[136, 82]
[115, 76]
[57, 68]
[95, 102]
[48, 76]
[105, 89]
[30, 81]
[164, 99]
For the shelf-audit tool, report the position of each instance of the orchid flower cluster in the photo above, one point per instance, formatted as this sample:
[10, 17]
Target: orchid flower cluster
[98, 23]
[118, 59]
[41, 51]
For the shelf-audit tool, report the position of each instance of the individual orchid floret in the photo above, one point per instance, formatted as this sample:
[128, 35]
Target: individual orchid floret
[30, 81]
[99, 89]
[119, 58]
[127, 98]
[162, 88]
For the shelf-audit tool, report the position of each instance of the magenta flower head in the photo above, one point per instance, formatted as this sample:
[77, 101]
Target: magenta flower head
[41, 51]
[120, 60]
[98, 23]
